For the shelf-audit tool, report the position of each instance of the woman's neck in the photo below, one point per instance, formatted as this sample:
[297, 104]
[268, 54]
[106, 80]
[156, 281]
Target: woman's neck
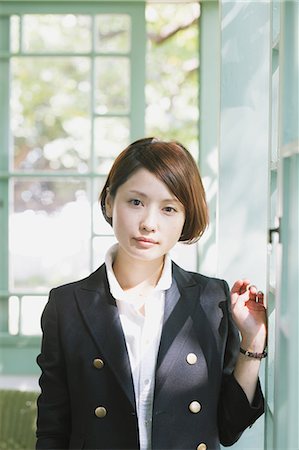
[132, 274]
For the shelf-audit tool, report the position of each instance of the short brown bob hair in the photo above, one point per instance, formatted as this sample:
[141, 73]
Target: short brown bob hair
[171, 163]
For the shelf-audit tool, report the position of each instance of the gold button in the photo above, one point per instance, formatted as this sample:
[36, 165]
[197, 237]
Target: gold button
[98, 363]
[100, 412]
[195, 407]
[191, 358]
[201, 446]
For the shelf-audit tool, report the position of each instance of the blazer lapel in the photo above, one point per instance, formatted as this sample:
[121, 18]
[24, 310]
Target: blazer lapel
[180, 301]
[100, 314]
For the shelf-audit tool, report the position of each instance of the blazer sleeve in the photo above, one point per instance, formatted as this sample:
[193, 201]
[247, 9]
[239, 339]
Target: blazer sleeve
[53, 419]
[235, 413]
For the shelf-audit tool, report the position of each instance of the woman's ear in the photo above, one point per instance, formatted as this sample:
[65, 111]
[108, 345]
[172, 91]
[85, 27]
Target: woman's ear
[108, 204]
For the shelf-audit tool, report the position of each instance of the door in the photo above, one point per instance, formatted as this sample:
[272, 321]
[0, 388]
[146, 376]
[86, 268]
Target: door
[282, 393]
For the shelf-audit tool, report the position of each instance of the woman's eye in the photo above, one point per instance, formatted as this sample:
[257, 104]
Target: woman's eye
[135, 202]
[169, 209]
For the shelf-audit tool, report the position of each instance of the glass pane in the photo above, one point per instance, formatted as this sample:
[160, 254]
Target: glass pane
[112, 135]
[49, 233]
[50, 113]
[100, 247]
[172, 62]
[56, 33]
[185, 256]
[14, 34]
[275, 107]
[276, 5]
[113, 33]
[112, 85]
[273, 249]
[13, 315]
[100, 226]
[31, 310]
[271, 355]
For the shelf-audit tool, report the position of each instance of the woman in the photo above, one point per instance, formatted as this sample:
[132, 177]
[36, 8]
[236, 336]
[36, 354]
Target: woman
[142, 354]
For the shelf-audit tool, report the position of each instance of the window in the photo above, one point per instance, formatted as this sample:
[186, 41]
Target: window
[73, 82]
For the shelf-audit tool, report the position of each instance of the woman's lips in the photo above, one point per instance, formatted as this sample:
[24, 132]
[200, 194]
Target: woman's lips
[146, 241]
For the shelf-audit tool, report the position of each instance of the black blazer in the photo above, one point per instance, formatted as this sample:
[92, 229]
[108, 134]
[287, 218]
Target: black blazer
[85, 365]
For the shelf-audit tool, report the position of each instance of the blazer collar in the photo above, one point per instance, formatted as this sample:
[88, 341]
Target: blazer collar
[180, 302]
[96, 280]
[100, 314]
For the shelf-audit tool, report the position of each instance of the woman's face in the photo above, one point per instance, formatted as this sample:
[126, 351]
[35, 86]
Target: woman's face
[147, 218]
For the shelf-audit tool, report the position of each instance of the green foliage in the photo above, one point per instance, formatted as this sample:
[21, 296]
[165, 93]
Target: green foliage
[172, 73]
[50, 102]
[51, 95]
[18, 420]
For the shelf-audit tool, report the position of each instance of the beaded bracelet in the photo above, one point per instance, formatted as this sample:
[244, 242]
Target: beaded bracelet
[253, 354]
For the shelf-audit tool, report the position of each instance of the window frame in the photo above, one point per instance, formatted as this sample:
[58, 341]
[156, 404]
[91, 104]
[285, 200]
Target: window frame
[136, 116]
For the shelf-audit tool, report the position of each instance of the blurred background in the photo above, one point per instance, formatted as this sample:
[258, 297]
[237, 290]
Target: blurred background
[81, 80]
[71, 114]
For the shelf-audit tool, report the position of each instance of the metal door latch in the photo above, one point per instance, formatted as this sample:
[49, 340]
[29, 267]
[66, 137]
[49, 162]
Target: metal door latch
[275, 230]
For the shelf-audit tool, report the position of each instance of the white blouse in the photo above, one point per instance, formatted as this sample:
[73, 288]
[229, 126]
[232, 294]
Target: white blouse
[142, 331]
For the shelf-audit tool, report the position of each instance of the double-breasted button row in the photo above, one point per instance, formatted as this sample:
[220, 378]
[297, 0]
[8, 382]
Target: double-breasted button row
[201, 446]
[100, 412]
[98, 363]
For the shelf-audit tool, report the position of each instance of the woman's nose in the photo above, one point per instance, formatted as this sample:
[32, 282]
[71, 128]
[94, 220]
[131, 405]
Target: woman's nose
[149, 222]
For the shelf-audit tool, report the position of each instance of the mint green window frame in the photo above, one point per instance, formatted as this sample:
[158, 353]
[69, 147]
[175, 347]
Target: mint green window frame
[18, 352]
[282, 387]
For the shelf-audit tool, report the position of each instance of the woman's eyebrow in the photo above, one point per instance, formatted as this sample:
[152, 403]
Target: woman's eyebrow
[142, 194]
[137, 192]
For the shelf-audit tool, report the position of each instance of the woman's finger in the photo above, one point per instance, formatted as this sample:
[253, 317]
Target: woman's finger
[260, 297]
